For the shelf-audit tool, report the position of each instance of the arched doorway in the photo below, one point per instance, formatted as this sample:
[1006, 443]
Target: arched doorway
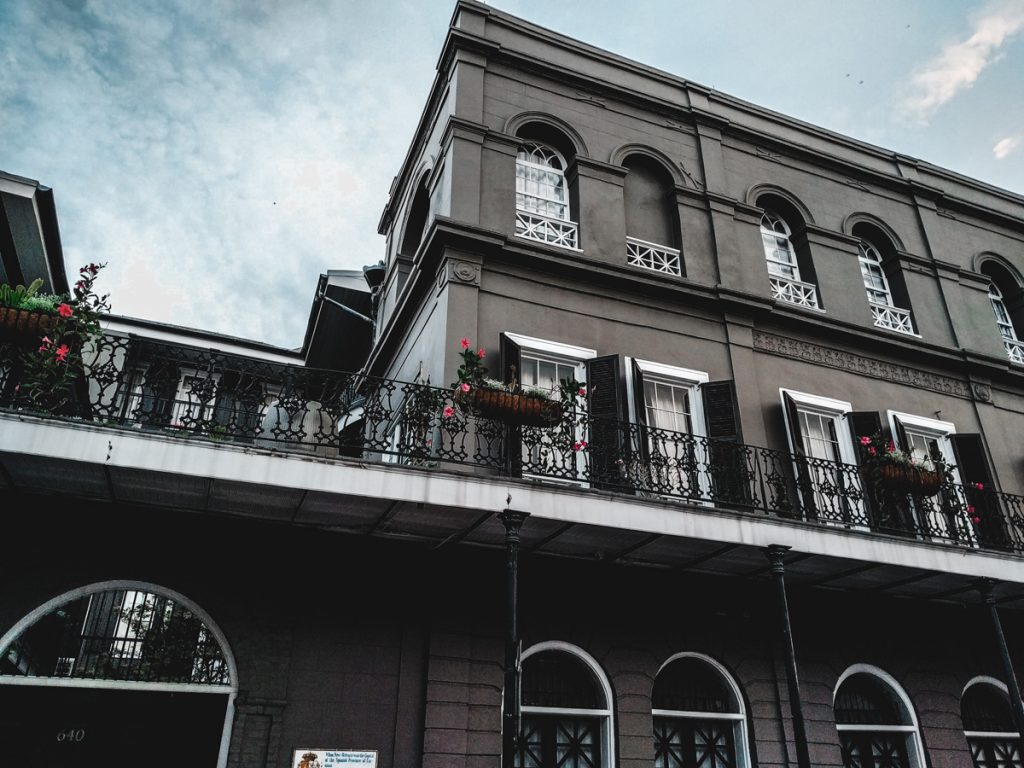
[116, 672]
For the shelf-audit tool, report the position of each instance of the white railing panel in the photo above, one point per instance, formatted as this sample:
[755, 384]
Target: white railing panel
[794, 292]
[892, 318]
[658, 258]
[546, 230]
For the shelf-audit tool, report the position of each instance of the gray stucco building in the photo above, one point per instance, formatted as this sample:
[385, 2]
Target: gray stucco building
[717, 565]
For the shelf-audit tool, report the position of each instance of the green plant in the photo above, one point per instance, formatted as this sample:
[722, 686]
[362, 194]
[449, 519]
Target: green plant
[50, 371]
[17, 296]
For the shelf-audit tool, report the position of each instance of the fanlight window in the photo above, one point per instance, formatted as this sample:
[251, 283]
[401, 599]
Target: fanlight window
[875, 284]
[565, 713]
[989, 728]
[119, 634]
[778, 248]
[540, 182]
[698, 717]
[874, 729]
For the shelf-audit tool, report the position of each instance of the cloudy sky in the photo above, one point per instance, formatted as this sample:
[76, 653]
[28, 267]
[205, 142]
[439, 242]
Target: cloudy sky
[219, 155]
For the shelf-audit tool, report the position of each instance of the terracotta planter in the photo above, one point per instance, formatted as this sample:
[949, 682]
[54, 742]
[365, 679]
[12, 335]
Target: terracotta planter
[900, 479]
[509, 408]
[24, 328]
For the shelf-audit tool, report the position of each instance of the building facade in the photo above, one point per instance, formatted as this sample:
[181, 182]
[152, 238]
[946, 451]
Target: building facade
[293, 554]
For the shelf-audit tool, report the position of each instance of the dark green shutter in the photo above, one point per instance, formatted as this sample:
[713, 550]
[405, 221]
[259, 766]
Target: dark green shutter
[608, 428]
[728, 465]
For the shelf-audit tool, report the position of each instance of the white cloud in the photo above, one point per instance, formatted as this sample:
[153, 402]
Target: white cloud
[961, 63]
[1005, 146]
[217, 159]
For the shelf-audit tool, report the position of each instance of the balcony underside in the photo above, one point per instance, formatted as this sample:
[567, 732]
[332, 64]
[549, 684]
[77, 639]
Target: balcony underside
[440, 508]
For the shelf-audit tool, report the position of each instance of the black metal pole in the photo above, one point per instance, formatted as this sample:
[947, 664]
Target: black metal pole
[775, 555]
[985, 587]
[513, 522]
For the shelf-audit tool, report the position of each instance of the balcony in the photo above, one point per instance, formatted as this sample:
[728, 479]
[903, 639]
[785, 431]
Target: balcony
[533, 226]
[892, 318]
[143, 387]
[794, 292]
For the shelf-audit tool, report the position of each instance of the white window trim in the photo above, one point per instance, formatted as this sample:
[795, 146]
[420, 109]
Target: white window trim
[915, 747]
[986, 680]
[559, 352]
[826, 406]
[838, 410]
[552, 347]
[608, 757]
[221, 639]
[674, 375]
[739, 717]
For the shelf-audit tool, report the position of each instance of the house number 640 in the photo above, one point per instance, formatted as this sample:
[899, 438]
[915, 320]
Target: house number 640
[72, 734]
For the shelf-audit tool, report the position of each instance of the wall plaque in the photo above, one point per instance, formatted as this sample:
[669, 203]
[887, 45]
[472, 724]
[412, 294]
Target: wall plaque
[334, 758]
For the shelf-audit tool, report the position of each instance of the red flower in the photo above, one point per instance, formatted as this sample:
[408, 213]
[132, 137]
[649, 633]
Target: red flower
[579, 445]
[891, 447]
[448, 412]
[80, 285]
[465, 343]
[62, 352]
[865, 440]
[464, 387]
[480, 353]
[872, 450]
[975, 519]
[45, 343]
[583, 391]
[979, 486]
[970, 509]
[64, 310]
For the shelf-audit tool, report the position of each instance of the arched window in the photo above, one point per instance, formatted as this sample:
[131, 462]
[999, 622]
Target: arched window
[988, 725]
[102, 663]
[877, 726]
[883, 279]
[1007, 299]
[699, 716]
[546, 193]
[875, 283]
[652, 219]
[790, 273]
[566, 710]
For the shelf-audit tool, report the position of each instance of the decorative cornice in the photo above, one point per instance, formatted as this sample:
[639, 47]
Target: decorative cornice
[866, 366]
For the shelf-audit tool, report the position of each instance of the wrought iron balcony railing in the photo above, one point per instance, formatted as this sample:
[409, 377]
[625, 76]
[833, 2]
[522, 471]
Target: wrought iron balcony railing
[206, 395]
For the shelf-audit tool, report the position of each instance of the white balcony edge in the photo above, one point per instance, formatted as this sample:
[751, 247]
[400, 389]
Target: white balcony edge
[259, 467]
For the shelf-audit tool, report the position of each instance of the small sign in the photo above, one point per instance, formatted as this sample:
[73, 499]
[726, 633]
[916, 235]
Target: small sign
[334, 758]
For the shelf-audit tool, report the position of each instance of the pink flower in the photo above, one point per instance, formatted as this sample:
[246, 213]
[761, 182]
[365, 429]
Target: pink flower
[448, 412]
[480, 353]
[583, 391]
[45, 343]
[872, 450]
[579, 445]
[891, 447]
[464, 387]
[970, 509]
[465, 343]
[865, 440]
[975, 519]
[979, 486]
[62, 352]
[64, 310]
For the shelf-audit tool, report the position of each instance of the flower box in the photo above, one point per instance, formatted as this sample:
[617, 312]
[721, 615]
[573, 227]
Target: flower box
[24, 327]
[510, 408]
[900, 479]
